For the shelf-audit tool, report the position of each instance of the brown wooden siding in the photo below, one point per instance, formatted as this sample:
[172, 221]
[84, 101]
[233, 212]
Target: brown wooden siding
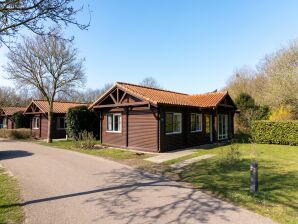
[187, 138]
[142, 129]
[197, 138]
[171, 141]
[9, 123]
[110, 138]
[42, 132]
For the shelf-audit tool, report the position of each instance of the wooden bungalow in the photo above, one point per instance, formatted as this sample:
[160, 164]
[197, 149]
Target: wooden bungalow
[6, 113]
[38, 113]
[158, 120]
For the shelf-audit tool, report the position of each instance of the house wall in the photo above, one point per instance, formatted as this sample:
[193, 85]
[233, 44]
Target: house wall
[9, 123]
[42, 132]
[186, 138]
[141, 124]
[113, 139]
[142, 129]
[1, 122]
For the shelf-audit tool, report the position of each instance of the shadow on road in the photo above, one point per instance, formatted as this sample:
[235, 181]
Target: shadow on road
[134, 195]
[12, 154]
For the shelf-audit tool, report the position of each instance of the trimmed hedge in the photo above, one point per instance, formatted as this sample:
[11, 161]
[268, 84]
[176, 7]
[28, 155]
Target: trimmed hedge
[21, 133]
[275, 132]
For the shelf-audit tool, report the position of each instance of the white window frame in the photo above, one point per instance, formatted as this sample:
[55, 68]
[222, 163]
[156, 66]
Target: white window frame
[34, 123]
[113, 123]
[180, 121]
[225, 128]
[198, 118]
[4, 122]
[58, 127]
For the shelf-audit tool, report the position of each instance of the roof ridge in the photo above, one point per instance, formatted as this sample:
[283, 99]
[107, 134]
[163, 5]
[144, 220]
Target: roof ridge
[147, 87]
[198, 94]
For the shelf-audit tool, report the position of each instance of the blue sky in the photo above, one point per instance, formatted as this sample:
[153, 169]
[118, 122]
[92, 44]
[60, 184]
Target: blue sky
[188, 46]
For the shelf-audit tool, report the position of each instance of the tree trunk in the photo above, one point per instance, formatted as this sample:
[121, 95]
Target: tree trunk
[50, 123]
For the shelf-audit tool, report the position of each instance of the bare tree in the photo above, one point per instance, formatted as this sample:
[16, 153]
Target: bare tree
[32, 14]
[11, 97]
[150, 82]
[273, 83]
[86, 96]
[50, 65]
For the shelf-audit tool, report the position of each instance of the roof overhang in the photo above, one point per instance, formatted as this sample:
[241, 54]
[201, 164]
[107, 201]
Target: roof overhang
[39, 112]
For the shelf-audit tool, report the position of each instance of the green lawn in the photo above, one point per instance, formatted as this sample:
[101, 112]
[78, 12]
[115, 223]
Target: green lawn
[278, 179]
[124, 156]
[10, 211]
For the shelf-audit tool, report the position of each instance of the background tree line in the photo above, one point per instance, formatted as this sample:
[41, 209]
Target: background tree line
[269, 91]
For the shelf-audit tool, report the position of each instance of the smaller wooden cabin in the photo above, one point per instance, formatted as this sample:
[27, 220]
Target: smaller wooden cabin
[38, 113]
[6, 113]
[157, 120]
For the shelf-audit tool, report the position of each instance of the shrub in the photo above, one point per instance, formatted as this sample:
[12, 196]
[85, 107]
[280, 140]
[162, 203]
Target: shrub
[249, 111]
[231, 156]
[85, 140]
[281, 113]
[21, 133]
[275, 132]
[80, 119]
[20, 120]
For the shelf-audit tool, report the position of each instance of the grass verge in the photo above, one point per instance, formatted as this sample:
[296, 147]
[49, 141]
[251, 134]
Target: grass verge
[10, 211]
[119, 155]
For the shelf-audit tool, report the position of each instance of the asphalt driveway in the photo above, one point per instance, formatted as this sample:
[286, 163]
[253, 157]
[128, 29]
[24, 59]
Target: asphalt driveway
[60, 186]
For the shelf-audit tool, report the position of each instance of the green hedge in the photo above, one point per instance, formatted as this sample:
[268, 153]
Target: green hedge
[21, 133]
[275, 132]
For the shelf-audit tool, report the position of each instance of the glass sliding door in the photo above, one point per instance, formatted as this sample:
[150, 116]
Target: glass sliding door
[223, 126]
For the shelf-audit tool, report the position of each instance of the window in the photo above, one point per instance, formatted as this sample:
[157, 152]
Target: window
[61, 124]
[207, 122]
[36, 122]
[196, 122]
[223, 126]
[173, 123]
[5, 122]
[113, 122]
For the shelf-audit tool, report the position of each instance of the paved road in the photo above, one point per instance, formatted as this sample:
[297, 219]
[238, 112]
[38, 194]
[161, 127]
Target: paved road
[60, 186]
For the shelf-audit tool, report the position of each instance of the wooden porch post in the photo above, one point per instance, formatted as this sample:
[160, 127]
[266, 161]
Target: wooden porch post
[126, 113]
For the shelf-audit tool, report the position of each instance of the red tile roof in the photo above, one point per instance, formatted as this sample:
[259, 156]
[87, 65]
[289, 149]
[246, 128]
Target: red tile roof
[58, 106]
[160, 96]
[8, 111]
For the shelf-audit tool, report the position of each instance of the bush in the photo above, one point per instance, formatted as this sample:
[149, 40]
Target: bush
[275, 132]
[249, 111]
[21, 133]
[281, 113]
[20, 120]
[80, 119]
[231, 157]
[85, 140]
